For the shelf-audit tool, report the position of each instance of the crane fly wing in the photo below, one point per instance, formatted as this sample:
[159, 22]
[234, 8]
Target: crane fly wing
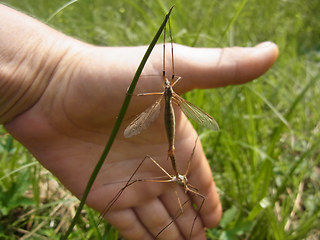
[144, 120]
[195, 113]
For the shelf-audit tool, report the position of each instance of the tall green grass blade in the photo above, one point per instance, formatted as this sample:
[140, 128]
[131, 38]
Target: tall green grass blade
[234, 18]
[262, 182]
[277, 131]
[251, 132]
[117, 124]
[143, 13]
[269, 104]
[202, 22]
[308, 224]
[19, 169]
[291, 171]
[60, 9]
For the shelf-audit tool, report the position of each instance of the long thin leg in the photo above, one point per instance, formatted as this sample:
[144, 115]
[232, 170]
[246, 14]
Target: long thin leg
[198, 211]
[177, 215]
[129, 182]
[149, 94]
[155, 162]
[191, 156]
[174, 82]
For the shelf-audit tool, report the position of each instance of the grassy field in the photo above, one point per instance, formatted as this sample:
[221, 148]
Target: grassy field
[265, 160]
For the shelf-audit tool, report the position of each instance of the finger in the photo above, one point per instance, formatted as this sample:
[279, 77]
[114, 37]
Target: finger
[209, 207]
[201, 178]
[155, 217]
[183, 213]
[209, 67]
[211, 211]
[128, 224]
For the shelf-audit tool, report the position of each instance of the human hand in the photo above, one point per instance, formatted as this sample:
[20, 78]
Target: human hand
[67, 127]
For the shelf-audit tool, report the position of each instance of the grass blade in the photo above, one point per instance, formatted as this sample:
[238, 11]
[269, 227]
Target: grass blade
[234, 18]
[277, 131]
[117, 124]
[60, 9]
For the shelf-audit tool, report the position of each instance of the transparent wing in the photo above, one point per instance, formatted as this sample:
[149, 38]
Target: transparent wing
[195, 113]
[144, 120]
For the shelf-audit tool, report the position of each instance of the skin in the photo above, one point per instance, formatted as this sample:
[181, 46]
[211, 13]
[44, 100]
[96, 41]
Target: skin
[60, 99]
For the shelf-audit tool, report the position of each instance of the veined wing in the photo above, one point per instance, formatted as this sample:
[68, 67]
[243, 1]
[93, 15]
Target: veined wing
[144, 120]
[195, 113]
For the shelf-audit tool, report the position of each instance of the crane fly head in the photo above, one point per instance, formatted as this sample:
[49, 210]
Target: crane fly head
[166, 83]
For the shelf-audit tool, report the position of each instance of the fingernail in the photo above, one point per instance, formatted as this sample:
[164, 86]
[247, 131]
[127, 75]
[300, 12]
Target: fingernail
[265, 44]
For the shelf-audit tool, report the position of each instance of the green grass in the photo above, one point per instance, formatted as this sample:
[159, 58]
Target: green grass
[265, 158]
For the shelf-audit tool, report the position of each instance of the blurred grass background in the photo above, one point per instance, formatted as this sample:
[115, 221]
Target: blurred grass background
[265, 160]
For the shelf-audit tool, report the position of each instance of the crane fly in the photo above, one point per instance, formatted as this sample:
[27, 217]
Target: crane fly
[168, 96]
[180, 180]
[146, 118]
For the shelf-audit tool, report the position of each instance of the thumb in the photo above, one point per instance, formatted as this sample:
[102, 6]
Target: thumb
[218, 67]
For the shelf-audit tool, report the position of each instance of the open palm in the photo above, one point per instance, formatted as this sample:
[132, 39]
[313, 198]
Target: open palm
[67, 128]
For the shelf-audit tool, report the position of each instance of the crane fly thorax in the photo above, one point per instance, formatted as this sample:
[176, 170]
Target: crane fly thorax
[168, 93]
[180, 179]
